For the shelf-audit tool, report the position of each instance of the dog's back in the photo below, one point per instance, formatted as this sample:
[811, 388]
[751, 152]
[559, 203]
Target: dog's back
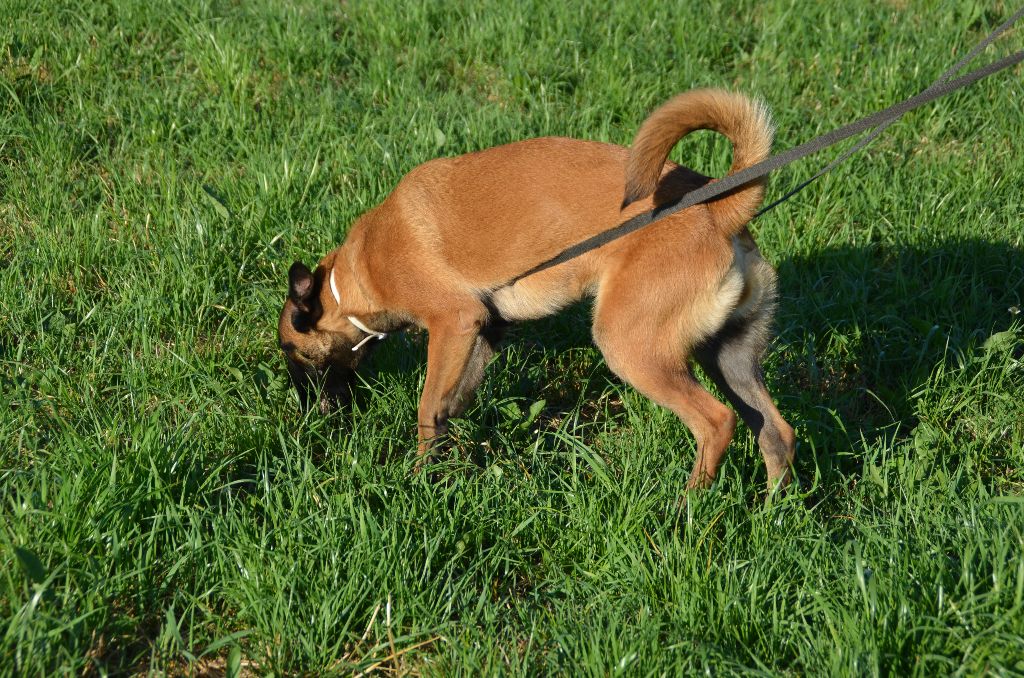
[494, 213]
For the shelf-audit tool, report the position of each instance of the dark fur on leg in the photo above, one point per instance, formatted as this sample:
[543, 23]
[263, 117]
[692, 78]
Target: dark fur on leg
[732, 359]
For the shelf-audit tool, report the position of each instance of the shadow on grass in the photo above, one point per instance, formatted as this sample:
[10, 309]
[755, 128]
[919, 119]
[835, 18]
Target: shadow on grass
[862, 329]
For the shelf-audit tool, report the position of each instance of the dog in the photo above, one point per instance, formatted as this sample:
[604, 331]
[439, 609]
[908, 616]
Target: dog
[438, 253]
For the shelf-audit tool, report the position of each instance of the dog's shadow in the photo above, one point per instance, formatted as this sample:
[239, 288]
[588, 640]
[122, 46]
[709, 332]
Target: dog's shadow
[859, 330]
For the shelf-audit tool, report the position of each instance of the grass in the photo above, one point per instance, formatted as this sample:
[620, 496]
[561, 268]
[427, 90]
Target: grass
[165, 507]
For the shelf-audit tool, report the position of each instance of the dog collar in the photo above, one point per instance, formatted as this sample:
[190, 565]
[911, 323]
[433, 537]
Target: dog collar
[334, 289]
[370, 334]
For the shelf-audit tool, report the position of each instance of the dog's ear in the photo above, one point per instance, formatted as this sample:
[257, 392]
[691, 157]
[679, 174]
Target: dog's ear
[301, 286]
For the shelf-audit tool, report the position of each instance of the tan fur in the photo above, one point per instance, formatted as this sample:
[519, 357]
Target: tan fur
[747, 124]
[438, 252]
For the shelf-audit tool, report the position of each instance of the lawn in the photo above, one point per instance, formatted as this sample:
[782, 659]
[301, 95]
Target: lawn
[167, 508]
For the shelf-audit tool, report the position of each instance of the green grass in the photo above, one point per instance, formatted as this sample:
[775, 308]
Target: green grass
[166, 508]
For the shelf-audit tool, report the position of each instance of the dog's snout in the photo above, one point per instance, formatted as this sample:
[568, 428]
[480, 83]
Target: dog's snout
[326, 390]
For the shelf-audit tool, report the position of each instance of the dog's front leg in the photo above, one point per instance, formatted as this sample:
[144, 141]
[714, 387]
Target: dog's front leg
[451, 354]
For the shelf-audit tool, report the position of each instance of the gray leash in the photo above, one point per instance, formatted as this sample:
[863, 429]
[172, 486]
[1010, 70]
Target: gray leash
[873, 134]
[876, 122]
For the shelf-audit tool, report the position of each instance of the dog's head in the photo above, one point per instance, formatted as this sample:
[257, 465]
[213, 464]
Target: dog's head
[317, 342]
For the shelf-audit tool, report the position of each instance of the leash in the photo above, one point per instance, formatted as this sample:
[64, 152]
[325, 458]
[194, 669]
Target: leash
[876, 122]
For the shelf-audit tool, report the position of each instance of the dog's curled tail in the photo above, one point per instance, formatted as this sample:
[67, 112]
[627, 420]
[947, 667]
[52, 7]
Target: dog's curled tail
[746, 123]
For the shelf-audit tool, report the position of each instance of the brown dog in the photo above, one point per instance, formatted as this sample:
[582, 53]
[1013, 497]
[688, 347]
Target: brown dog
[439, 251]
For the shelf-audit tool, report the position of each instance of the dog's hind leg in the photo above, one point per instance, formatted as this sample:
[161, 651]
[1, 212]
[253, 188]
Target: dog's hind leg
[652, 361]
[732, 359]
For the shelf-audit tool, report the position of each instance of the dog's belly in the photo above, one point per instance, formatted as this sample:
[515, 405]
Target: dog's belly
[743, 291]
[538, 296]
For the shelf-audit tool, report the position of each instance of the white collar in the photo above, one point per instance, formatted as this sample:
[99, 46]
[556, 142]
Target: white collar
[334, 289]
[370, 334]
